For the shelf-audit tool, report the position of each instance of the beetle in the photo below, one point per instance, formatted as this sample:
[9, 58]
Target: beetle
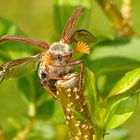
[56, 60]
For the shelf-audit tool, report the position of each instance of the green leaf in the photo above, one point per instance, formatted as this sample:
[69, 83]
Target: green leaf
[91, 91]
[58, 116]
[11, 102]
[120, 47]
[114, 64]
[31, 87]
[118, 134]
[120, 111]
[128, 85]
[45, 110]
[107, 81]
[110, 60]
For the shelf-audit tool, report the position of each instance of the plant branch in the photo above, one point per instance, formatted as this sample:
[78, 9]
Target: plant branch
[126, 11]
[2, 135]
[23, 134]
[71, 100]
[115, 16]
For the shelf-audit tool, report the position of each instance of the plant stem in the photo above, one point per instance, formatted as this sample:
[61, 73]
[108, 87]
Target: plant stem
[2, 135]
[23, 134]
[115, 16]
[99, 134]
[126, 11]
[71, 100]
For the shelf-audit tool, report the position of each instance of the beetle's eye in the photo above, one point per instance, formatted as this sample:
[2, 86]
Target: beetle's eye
[71, 55]
[59, 57]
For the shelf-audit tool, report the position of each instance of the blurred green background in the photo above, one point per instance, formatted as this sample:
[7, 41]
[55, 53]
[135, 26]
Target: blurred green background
[25, 108]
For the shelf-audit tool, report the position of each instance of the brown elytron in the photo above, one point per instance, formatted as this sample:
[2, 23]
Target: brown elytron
[56, 61]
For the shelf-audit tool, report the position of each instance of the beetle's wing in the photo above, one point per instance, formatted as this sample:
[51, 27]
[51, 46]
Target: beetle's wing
[67, 32]
[19, 67]
[82, 36]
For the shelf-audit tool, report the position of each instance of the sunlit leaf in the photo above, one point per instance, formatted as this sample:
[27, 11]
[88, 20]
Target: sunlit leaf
[91, 91]
[128, 85]
[120, 111]
[118, 134]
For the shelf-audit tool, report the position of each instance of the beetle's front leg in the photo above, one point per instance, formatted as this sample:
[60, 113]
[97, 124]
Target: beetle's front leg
[75, 63]
[44, 85]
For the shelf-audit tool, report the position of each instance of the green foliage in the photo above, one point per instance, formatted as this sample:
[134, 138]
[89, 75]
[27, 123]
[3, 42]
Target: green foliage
[120, 111]
[44, 111]
[91, 92]
[111, 87]
[126, 86]
[118, 134]
[110, 115]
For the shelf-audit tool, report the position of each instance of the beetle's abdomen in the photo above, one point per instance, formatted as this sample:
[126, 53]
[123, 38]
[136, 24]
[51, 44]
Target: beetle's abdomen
[58, 71]
[51, 84]
[42, 73]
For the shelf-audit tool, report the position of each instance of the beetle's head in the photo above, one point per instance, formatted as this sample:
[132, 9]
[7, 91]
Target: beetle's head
[61, 51]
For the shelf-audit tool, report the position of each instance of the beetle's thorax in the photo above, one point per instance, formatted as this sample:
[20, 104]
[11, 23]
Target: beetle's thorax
[57, 55]
[58, 51]
[59, 48]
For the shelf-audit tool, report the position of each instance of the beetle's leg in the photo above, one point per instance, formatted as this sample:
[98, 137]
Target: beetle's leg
[60, 78]
[44, 85]
[55, 78]
[37, 43]
[75, 63]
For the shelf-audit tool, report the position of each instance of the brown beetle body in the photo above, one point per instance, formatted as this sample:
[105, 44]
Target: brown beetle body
[56, 61]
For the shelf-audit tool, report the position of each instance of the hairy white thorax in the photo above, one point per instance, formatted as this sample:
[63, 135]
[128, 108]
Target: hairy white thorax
[59, 48]
[58, 52]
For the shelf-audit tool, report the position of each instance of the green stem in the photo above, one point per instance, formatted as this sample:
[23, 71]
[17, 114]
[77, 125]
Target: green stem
[99, 130]
[23, 134]
[2, 135]
[99, 135]
[72, 100]
[115, 16]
